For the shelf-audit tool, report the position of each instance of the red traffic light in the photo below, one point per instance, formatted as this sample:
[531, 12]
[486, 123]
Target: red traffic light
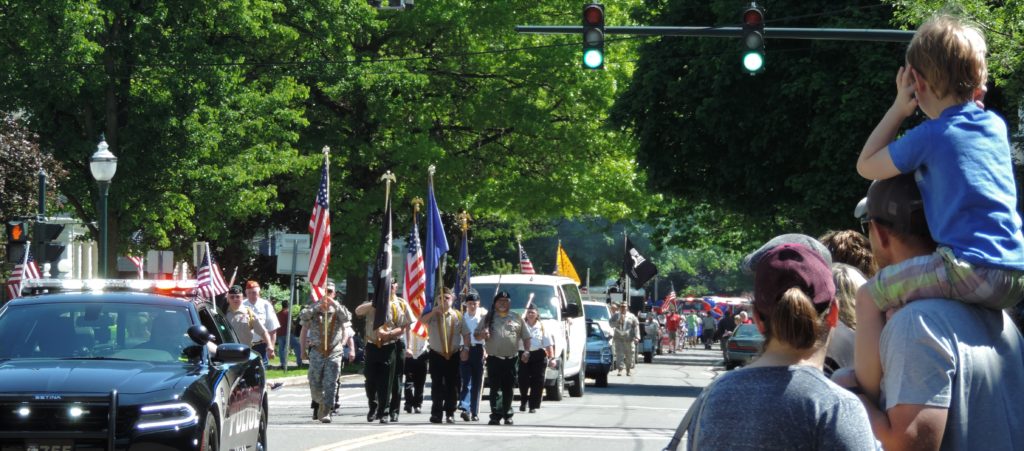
[593, 15]
[753, 17]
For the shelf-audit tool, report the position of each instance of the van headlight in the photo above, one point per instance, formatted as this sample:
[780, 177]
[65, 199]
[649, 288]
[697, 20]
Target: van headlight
[159, 416]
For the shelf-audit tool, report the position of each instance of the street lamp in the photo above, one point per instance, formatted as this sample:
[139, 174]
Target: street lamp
[103, 165]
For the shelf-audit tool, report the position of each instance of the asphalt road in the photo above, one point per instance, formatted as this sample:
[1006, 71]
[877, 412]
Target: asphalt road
[638, 412]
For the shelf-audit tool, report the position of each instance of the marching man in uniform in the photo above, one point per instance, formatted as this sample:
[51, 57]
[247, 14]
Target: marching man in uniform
[323, 332]
[444, 338]
[627, 334]
[380, 357]
[243, 320]
[501, 331]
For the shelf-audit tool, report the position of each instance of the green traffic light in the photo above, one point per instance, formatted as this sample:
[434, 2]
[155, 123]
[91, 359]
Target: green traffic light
[593, 59]
[753, 61]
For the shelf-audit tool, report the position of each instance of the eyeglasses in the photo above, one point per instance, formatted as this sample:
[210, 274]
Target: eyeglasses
[864, 225]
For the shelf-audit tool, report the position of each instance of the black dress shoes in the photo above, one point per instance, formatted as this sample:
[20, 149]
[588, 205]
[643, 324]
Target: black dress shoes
[508, 421]
[394, 417]
[416, 409]
[435, 420]
[370, 417]
[494, 421]
[464, 415]
[450, 419]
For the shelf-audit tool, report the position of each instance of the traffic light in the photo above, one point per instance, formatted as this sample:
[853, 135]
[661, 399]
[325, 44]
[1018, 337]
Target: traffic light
[753, 39]
[49, 251]
[593, 36]
[17, 237]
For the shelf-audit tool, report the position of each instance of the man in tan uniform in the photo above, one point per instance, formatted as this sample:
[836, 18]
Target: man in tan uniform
[380, 357]
[444, 338]
[244, 322]
[501, 330]
[626, 334]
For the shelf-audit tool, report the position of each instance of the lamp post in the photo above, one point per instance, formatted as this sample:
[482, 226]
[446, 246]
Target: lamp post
[103, 165]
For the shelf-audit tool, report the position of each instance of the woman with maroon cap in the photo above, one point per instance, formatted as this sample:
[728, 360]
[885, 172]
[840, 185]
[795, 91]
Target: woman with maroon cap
[787, 402]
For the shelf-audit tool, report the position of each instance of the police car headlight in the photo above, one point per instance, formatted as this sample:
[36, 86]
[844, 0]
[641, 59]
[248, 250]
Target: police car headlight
[160, 416]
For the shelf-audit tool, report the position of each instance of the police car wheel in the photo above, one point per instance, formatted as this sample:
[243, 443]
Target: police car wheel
[211, 439]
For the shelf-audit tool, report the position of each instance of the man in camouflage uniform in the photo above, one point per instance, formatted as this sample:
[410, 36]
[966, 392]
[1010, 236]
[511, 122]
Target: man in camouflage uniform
[626, 334]
[324, 325]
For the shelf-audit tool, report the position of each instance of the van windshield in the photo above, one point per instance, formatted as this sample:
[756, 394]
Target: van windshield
[544, 297]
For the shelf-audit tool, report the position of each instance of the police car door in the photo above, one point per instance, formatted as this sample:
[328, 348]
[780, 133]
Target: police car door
[238, 390]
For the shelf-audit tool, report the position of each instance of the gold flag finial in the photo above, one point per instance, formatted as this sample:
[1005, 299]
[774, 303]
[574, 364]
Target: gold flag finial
[417, 204]
[463, 217]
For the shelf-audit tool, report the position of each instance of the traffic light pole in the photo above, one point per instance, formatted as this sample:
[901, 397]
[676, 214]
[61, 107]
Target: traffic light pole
[835, 34]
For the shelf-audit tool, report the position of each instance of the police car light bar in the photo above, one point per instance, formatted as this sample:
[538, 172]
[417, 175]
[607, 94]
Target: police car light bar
[143, 285]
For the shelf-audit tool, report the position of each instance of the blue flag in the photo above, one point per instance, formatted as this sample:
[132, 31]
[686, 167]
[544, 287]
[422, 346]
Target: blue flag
[435, 245]
[462, 278]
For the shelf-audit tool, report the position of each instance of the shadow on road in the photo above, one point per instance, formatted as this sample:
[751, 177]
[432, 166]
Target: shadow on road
[625, 388]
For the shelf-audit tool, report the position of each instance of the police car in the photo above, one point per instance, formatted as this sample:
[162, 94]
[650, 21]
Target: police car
[125, 364]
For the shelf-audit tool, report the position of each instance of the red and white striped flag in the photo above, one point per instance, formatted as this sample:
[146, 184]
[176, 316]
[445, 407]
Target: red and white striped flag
[209, 279]
[415, 281]
[23, 271]
[320, 229]
[525, 265]
[138, 262]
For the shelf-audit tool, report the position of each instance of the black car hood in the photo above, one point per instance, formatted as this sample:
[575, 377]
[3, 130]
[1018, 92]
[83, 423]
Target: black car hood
[88, 376]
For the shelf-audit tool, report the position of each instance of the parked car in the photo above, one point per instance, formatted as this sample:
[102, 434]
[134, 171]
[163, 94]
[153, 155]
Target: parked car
[600, 313]
[599, 353]
[743, 346]
[560, 306]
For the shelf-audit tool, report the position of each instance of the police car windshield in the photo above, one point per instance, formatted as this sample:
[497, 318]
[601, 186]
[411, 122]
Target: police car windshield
[542, 295]
[95, 330]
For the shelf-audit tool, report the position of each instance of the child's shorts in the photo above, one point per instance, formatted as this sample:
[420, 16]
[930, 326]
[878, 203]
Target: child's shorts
[942, 275]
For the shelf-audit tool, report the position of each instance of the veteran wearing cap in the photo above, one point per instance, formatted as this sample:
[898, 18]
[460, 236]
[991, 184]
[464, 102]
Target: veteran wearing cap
[626, 334]
[380, 357]
[266, 315]
[323, 325]
[501, 331]
[444, 338]
[243, 320]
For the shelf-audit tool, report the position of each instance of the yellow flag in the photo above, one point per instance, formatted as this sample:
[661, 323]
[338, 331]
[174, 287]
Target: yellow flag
[565, 267]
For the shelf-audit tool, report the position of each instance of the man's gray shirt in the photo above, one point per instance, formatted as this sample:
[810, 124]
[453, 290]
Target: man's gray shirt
[780, 408]
[965, 358]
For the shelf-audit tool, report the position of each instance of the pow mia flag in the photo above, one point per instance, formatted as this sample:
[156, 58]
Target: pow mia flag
[640, 269]
[382, 271]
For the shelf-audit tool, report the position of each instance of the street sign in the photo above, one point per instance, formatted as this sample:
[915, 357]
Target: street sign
[160, 262]
[292, 253]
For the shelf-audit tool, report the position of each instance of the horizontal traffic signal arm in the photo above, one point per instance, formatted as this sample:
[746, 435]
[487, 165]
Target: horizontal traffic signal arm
[838, 34]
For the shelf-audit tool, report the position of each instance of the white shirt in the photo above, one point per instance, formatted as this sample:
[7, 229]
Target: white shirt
[539, 338]
[417, 344]
[472, 322]
[266, 314]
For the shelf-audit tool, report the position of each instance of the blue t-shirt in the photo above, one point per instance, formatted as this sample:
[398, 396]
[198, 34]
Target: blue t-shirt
[964, 358]
[963, 168]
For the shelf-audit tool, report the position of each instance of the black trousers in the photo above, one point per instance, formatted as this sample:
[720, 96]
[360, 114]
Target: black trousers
[380, 365]
[396, 378]
[415, 377]
[501, 374]
[531, 379]
[444, 384]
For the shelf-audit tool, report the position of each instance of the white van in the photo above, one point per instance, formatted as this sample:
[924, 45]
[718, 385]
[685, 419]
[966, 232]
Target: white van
[560, 307]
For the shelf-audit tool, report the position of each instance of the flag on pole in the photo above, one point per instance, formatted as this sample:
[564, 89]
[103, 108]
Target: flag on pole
[382, 270]
[462, 278]
[23, 271]
[209, 279]
[640, 269]
[525, 265]
[670, 301]
[320, 231]
[436, 243]
[139, 263]
[415, 280]
[564, 266]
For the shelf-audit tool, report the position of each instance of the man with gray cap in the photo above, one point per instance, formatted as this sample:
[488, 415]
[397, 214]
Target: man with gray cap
[951, 372]
[244, 321]
[501, 330]
[626, 333]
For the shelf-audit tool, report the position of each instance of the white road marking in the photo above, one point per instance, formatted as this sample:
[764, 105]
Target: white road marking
[367, 440]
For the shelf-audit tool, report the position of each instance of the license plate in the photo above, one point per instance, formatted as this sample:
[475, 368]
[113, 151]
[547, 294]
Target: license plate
[50, 445]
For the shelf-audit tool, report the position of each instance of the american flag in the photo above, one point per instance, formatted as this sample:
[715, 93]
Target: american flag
[525, 265]
[320, 229]
[138, 262]
[210, 281]
[415, 281]
[22, 272]
[670, 301]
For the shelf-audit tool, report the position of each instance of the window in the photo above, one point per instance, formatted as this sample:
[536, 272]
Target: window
[543, 296]
[572, 297]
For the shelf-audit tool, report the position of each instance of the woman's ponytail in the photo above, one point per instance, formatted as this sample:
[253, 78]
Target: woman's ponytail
[795, 322]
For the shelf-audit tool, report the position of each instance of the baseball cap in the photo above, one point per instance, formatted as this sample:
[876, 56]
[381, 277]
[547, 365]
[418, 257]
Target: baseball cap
[252, 284]
[330, 285]
[787, 266]
[502, 294]
[751, 260]
[896, 203]
[472, 296]
[235, 289]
